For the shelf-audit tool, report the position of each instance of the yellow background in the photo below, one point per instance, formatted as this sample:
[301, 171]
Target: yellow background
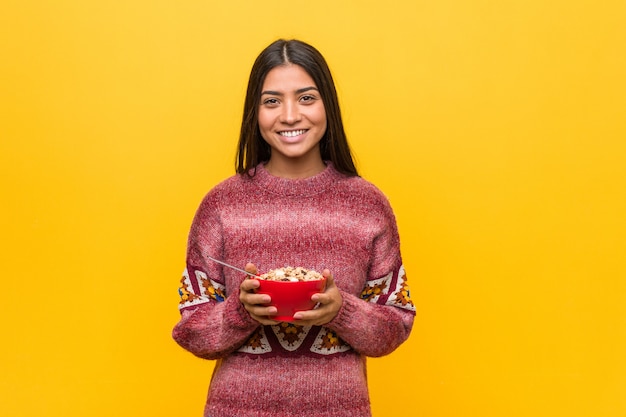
[496, 128]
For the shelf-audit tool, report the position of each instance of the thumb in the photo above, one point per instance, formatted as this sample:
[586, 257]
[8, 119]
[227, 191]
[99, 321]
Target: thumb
[330, 281]
[250, 267]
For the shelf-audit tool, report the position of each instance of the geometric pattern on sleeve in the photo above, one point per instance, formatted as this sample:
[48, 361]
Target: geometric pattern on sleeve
[376, 288]
[327, 343]
[257, 343]
[289, 335]
[198, 290]
[400, 295]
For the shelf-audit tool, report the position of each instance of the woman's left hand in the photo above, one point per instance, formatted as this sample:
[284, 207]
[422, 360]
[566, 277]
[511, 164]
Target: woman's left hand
[330, 302]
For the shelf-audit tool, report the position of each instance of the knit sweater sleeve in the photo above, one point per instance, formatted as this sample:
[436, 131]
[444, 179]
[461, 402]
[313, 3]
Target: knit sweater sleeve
[213, 322]
[380, 319]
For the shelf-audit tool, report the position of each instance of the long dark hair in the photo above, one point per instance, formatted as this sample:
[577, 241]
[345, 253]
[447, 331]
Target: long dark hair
[252, 148]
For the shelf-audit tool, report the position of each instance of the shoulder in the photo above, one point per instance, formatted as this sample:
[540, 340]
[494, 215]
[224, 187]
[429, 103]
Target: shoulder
[235, 182]
[362, 189]
[226, 192]
[362, 197]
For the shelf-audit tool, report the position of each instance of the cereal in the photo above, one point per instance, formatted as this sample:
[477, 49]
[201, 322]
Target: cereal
[291, 274]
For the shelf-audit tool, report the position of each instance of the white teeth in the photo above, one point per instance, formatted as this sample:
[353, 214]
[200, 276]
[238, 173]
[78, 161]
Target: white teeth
[292, 133]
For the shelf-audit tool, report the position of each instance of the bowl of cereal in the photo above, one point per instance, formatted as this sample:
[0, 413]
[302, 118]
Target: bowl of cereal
[290, 290]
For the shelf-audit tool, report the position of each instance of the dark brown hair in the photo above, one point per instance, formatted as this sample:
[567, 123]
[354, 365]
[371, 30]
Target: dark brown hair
[252, 148]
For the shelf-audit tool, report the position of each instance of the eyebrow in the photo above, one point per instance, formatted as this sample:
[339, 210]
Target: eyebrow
[298, 91]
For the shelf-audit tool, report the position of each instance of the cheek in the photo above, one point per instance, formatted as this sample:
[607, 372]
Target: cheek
[263, 120]
[324, 123]
[320, 117]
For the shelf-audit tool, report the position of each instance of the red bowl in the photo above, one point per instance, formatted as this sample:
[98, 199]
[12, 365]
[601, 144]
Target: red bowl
[290, 296]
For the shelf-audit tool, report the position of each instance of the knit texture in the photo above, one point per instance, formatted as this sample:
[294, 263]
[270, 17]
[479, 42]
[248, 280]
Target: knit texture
[344, 224]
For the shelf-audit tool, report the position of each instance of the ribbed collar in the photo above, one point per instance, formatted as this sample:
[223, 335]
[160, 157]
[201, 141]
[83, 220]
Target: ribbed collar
[302, 187]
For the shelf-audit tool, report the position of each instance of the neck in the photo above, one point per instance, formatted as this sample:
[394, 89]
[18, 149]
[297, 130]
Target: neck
[294, 169]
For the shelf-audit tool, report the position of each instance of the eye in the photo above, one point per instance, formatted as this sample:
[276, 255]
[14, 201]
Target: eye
[308, 98]
[270, 102]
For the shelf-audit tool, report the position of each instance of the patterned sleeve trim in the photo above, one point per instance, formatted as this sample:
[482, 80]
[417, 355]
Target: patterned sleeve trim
[288, 337]
[392, 290]
[199, 289]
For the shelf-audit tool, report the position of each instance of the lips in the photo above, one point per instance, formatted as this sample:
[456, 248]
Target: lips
[292, 133]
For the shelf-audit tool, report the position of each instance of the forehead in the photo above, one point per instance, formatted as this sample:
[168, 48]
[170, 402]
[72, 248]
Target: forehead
[287, 78]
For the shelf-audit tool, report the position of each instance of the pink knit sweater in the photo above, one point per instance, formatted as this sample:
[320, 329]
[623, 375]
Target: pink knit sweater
[329, 221]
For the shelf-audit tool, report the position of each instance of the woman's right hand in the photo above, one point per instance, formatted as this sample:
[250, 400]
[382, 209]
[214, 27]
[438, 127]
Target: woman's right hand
[252, 302]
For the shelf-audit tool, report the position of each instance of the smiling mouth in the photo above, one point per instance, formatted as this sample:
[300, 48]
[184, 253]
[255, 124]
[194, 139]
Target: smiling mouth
[292, 133]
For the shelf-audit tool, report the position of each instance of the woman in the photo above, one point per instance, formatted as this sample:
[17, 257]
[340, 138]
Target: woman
[296, 200]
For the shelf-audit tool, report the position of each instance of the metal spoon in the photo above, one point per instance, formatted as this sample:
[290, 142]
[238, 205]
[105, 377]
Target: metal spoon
[232, 267]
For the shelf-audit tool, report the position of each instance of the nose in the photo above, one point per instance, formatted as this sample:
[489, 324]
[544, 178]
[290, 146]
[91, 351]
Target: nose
[290, 113]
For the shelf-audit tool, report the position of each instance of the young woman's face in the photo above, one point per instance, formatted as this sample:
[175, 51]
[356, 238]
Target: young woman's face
[292, 118]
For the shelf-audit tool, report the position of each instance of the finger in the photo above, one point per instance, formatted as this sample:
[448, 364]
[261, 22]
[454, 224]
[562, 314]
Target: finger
[250, 267]
[330, 283]
[262, 311]
[265, 320]
[262, 314]
[330, 280]
[301, 320]
[312, 317]
[248, 295]
[249, 285]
